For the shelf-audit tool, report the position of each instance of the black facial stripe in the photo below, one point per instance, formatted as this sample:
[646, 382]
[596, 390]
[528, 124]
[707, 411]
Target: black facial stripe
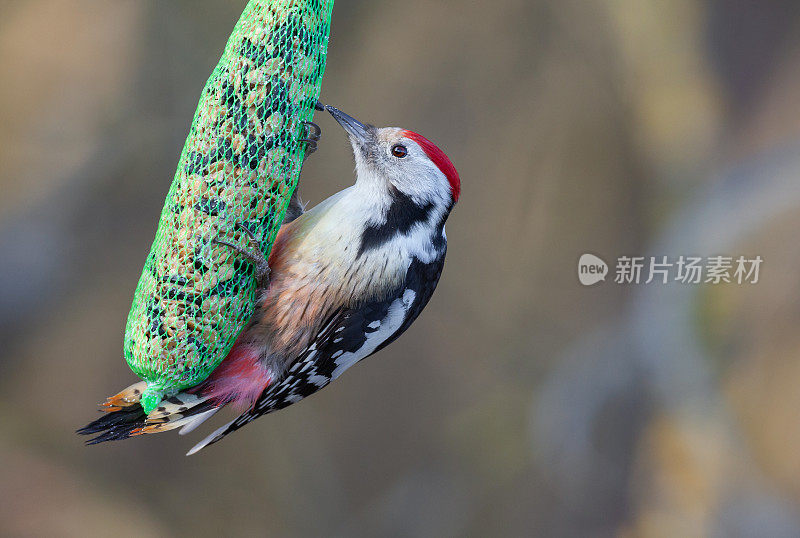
[402, 215]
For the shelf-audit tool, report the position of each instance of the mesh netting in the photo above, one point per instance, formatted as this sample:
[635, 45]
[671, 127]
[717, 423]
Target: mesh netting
[236, 174]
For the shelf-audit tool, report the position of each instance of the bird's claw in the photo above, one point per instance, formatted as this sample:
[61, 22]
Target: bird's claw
[254, 256]
[313, 134]
[316, 130]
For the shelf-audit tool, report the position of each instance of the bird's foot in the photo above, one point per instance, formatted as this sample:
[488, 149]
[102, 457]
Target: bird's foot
[313, 134]
[254, 255]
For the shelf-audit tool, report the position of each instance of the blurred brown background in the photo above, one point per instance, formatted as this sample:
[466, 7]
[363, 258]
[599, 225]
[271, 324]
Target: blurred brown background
[521, 403]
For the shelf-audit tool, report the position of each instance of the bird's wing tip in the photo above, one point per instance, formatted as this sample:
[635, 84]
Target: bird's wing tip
[215, 436]
[198, 420]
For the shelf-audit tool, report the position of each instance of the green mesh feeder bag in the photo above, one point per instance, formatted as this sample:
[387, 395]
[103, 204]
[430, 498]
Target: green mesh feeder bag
[235, 177]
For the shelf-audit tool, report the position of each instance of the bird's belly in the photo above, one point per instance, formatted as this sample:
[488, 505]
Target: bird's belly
[311, 281]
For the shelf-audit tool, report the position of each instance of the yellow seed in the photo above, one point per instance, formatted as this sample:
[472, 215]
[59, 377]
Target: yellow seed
[237, 142]
[216, 167]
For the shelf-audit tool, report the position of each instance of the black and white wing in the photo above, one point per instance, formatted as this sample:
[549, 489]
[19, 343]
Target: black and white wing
[348, 336]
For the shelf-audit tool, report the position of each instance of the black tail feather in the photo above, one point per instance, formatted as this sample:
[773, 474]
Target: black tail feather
[121, 424]
[115, 426]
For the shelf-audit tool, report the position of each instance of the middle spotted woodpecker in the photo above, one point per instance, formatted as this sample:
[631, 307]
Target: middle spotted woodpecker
[346, 278]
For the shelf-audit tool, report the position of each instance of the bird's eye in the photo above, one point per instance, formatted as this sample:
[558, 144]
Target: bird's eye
[399, 151]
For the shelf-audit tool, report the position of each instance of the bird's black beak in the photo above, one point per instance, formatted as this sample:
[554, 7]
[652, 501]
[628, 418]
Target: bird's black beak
[354, 128]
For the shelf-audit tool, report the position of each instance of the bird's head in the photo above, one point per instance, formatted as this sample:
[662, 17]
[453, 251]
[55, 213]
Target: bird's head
[391, 157]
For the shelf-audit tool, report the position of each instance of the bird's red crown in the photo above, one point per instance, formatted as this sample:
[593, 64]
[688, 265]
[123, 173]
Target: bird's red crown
[440, 160]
